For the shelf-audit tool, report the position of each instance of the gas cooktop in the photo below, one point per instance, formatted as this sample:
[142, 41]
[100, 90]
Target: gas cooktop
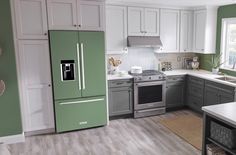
[148, 75]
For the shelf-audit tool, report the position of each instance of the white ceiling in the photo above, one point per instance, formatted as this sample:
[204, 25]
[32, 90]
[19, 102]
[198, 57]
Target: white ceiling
[185, 3]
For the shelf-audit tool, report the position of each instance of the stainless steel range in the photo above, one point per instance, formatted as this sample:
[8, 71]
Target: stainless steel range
[149, 93]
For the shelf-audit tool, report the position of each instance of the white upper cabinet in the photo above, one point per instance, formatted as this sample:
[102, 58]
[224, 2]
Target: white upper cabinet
[62, 14]
[135, 21]
[143, 21]
[116, 29]
[152, 22]
[91, 15]
[186, 31]
[31, 19]
[169, 30]
[75, 15]
[204, 37]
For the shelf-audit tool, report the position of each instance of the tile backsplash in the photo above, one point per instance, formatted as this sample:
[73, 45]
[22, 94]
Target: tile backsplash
[147, 59]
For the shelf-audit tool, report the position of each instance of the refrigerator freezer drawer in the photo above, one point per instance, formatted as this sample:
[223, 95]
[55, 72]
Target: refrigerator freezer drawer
[80, 114]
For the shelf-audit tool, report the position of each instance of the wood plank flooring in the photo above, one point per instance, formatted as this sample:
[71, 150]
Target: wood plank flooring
[145, 136]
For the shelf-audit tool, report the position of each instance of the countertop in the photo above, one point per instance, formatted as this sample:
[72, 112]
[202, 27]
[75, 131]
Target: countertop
[225, 111]
[200, 74]
[197, 73]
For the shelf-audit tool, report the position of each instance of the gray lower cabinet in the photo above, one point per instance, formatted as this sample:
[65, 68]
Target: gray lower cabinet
[195, 93]
[216, 93]
[175, 91]
[120, 97]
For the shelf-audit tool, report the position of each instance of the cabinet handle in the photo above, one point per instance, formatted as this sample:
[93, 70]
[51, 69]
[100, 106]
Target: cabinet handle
[84, 101]
[82, 61]
[78, 65]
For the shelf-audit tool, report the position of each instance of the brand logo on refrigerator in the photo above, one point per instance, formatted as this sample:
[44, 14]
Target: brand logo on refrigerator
[83, 123]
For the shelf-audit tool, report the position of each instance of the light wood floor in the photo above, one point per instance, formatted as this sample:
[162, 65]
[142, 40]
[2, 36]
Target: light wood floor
[143, 136]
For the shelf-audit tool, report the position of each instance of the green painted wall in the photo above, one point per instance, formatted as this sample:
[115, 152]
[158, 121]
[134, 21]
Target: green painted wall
[227, 11]
[10, 117]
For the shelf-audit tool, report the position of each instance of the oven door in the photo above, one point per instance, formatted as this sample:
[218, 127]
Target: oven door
[149, 95]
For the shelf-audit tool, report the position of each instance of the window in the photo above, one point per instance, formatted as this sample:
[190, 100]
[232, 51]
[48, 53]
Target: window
[228, 43]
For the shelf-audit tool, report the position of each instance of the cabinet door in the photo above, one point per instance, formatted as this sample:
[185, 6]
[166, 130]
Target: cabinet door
[116, 29]
[64, 47]
[31, 19]
[62, 14]
[186, 31]
[135, 21]
[170, 30]
[175, 94]
[37, 91]
[199, 30]
[152, 22]
[92, 48]
[120, 101]
[226, 97]
[211, 96]
[91, 15]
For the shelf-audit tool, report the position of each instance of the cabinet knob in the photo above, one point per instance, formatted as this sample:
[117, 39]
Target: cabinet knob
[45, 34]
[49, 85]
[202, 49]
[79, 25]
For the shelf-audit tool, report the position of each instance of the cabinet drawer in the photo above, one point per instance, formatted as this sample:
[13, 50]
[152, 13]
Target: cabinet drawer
[195, 90]
[175, 79]
[195, 103]
[80, 114]
[120, 83]
[220, 87]
[196, 80]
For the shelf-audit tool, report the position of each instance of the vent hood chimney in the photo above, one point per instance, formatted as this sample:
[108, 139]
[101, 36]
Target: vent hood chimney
[144, 41]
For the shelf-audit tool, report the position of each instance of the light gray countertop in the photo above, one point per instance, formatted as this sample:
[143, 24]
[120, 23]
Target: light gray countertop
[226, 112]
[197, 73]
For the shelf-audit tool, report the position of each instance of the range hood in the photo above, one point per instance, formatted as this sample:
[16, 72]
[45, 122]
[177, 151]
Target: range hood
[144, 41]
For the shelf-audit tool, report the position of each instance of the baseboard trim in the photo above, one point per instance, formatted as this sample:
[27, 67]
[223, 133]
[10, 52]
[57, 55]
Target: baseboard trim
[12, 139]
[40, 132]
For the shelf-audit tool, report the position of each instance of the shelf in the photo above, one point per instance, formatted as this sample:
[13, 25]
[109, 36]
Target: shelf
[233, 152]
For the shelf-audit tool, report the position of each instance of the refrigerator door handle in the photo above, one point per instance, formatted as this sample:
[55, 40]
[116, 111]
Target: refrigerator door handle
[84, 101]
[82, 60]
[78, 65]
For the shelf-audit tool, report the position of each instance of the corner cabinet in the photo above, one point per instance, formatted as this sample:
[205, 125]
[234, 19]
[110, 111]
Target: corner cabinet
[31, 19]
[169, 30]
[186, 30]
[204, 37]
[143, 21]
[175, 91]
[116, 29]
[75, 15]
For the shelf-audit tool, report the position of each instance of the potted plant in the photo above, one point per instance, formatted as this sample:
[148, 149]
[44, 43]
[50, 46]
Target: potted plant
[215, 63]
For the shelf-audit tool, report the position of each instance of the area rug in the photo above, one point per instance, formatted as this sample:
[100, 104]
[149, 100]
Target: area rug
[188, 127]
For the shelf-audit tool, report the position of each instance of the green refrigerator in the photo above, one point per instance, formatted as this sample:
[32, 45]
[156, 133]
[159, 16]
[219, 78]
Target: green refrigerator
[79, 81]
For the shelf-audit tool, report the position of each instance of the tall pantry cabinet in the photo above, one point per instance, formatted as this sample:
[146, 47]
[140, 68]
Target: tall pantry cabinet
[31, 41]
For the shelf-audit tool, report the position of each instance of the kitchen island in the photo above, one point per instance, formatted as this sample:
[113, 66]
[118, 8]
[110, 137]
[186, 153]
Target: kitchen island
[223, 115]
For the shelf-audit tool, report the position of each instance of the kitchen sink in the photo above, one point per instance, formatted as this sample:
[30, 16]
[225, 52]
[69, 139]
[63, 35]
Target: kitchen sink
[228, 79]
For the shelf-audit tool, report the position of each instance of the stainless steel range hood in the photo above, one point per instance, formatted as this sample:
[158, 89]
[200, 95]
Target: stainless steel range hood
[144, 41]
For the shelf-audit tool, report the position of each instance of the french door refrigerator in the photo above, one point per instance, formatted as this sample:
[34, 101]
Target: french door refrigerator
[79, 83]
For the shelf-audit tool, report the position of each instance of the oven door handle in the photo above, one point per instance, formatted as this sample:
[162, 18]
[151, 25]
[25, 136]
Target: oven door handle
[151, 83]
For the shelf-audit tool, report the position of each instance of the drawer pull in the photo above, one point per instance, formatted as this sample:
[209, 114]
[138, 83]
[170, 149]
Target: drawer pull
[85, 101]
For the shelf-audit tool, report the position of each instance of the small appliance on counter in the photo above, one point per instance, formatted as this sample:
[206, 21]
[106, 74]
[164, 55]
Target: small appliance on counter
[187, 63]
[195, 63]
